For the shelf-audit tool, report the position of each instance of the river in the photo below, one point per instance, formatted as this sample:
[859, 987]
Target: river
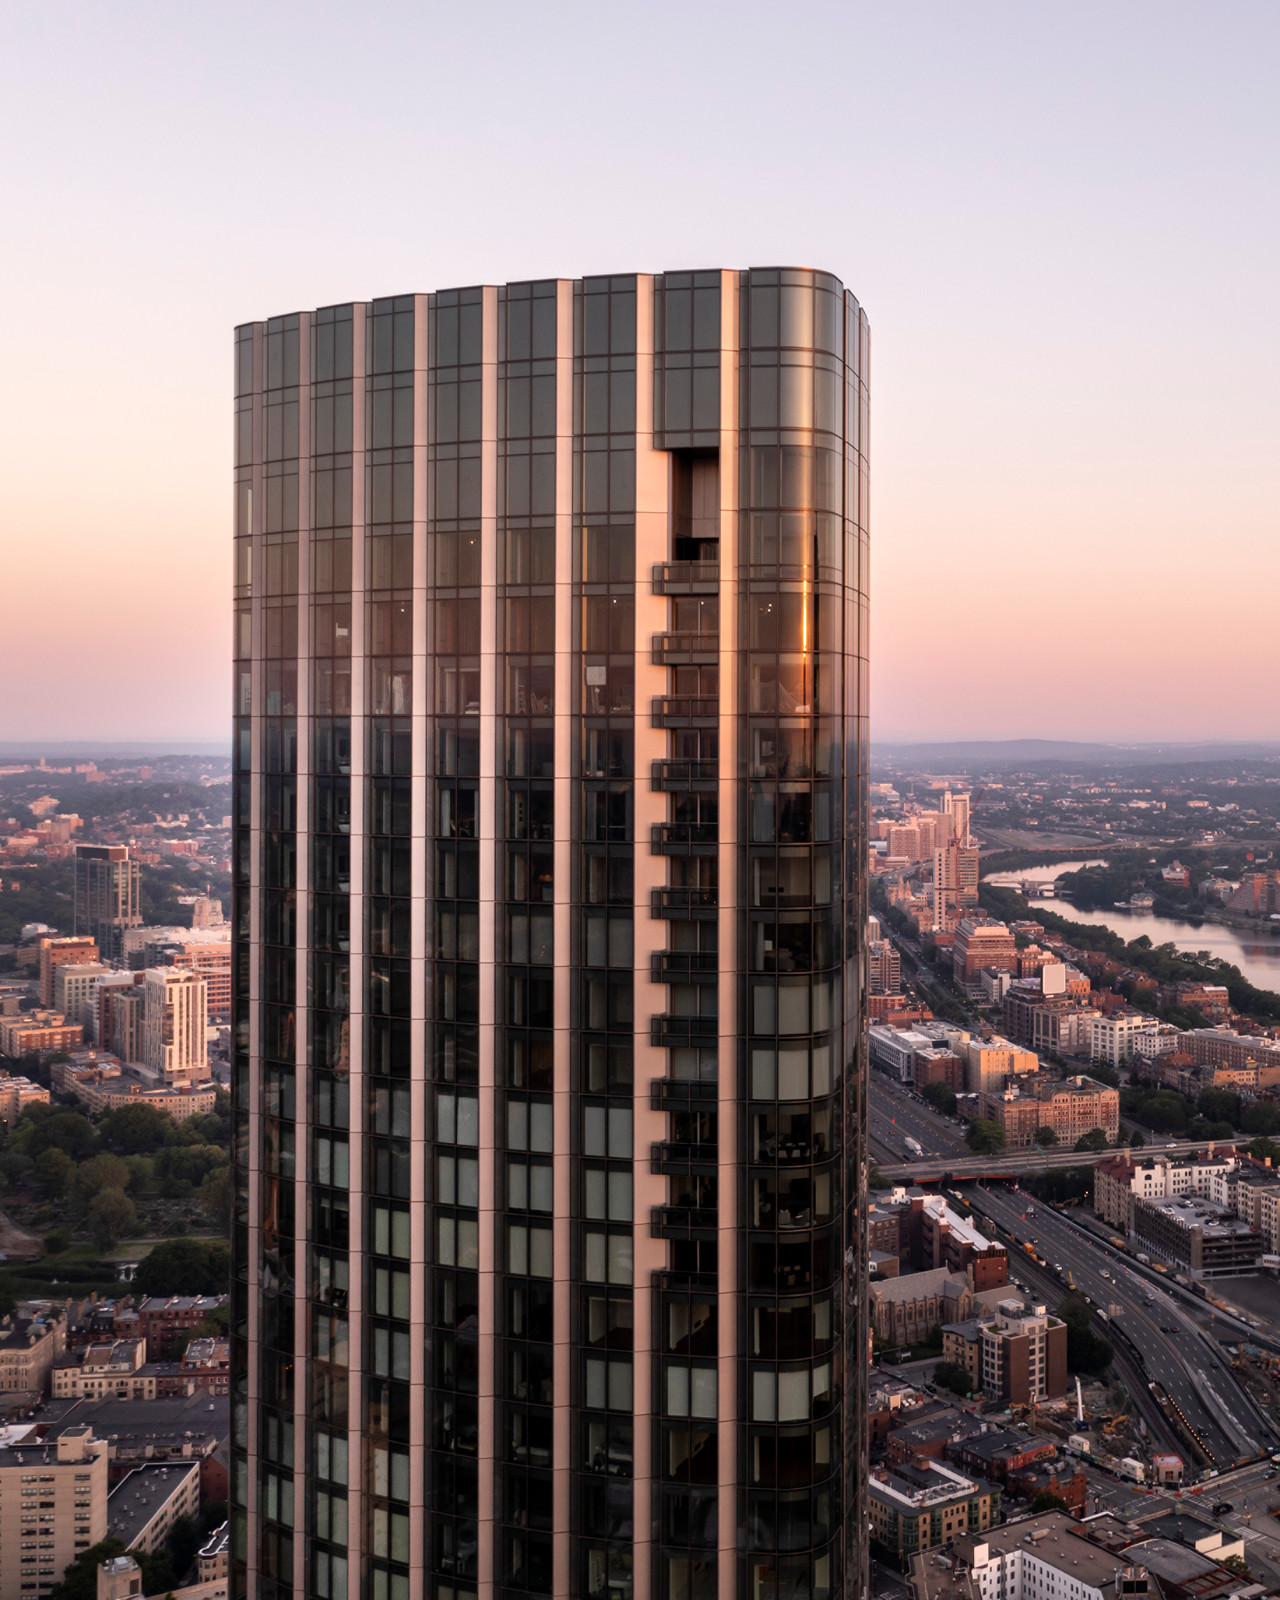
[1258, 957]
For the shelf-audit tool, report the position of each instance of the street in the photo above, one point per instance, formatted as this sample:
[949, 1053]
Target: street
[1172, 1349]
[897, 1115]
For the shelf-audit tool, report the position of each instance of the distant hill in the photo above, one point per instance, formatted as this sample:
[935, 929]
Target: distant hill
[985, 754]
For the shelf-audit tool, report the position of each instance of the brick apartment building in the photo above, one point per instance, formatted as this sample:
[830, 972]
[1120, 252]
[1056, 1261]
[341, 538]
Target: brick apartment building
[160, 1321]
[1072, 1107]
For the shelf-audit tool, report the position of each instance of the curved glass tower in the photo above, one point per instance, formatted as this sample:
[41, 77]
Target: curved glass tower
[550, 800]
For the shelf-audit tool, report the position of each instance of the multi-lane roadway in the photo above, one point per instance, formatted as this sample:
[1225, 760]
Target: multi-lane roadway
[897, 1115]
[1174, 1352]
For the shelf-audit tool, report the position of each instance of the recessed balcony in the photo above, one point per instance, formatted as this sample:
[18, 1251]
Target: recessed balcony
[685, 711]
[684, 966]
[684, 838]
[686, 577]
[666, 1030]
[682, 905]
[685, 649]
[701, 776]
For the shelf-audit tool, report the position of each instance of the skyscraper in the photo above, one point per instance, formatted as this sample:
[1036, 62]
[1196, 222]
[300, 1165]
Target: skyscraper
[108, 895]
[550, 799]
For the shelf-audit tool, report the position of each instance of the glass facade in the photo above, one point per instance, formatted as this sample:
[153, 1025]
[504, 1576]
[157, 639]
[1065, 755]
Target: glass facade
[548, 1072]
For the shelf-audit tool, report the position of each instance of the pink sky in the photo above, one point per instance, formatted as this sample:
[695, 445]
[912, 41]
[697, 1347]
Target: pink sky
[1061, 220]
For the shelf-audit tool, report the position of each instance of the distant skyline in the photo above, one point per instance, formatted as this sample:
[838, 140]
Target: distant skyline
[1062, 222]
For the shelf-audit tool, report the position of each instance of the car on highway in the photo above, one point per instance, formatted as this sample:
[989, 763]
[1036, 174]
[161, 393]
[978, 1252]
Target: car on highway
[1222, 1507]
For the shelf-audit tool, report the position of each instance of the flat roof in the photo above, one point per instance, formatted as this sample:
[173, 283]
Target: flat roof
[137, 1498]
[1053, 1537]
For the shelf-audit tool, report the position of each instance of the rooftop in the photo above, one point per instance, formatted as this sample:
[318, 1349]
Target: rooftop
[1192, 1211]
[912, 1489]
[920, 1285]
[1054, 1538]
[137, 1497]
[173, 1420]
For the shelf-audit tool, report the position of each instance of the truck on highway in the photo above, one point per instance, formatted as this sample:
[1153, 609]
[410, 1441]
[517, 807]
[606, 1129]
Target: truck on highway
[912, 1149]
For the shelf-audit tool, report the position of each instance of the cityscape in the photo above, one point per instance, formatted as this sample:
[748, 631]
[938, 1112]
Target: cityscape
[558, 1041]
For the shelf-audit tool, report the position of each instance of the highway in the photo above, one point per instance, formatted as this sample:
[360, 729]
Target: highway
[897, 1115]
[1174, 1351]
[1018, 1161]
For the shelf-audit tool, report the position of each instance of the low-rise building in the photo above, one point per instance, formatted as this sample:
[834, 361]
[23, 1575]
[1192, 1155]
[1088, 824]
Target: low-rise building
[160, 1321]
[112, 1368]
[36, 1032]
[950, 1238]
[918, 1508]
[206, 1364]
[1052, 1475]
[894, 1050]
[905, 1310]
[999, 1452]
[1225, 1047]
[1040, 1558]
[144, 1505]
[1198, 1234]
[213, 1561]
[186, 1428]
[1211, 1000]
[108, 1086]
[930, 1433]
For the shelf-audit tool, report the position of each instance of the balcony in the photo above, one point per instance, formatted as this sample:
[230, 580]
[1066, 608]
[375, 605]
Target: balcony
[686, 577]
[666, 1030]
[685, 649]
[684, 966]
[685, 711]
[683, 1094]
[703, 776]
[668, 1154]
[677, 1222]
[684, 838]
[682, 905]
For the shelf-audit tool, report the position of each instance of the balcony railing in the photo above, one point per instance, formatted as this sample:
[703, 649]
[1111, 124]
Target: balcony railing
[684, 774]
[685, 649]
[683, 966]
[680, 1094]
[685, 711]
[683, 1218]
[666, 1030]
[686, 577]
[681, 903]
[668, 1154]
[684, 838]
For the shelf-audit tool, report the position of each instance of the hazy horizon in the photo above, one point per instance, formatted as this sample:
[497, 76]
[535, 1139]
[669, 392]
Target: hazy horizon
[1061, 223]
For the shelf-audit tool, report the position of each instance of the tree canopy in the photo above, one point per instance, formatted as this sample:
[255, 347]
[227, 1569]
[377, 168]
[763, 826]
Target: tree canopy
[985, 1138]
[185, 1266]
